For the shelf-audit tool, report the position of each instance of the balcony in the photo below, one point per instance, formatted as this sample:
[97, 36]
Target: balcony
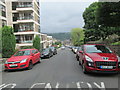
[24, 6]
[25, 18]
[25, 30]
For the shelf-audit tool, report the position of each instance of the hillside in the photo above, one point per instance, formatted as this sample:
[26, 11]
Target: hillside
[60, 36]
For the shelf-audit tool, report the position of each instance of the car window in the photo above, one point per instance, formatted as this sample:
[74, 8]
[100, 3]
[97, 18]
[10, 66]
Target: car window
[22, 53]
[97, 49]
[34, 51]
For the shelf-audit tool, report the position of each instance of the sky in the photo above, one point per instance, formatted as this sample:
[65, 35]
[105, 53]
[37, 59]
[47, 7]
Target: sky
[62, 16]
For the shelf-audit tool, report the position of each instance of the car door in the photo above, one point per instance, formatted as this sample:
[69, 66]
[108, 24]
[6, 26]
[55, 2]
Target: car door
[37, 56]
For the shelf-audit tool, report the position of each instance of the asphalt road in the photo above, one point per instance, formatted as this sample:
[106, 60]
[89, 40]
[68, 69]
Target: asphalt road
[60, 71]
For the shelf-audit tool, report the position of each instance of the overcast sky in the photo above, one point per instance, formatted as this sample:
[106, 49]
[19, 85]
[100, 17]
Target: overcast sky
[62, 16]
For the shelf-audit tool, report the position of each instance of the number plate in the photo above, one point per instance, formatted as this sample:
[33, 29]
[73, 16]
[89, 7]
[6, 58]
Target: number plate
[13, 65]
[106, 67]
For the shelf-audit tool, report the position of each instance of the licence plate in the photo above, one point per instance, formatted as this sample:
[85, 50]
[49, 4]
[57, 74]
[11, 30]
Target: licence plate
[13, 65]
[106, 67]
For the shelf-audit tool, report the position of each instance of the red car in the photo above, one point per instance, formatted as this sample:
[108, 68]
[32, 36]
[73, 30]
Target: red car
[22, 59]
[98, 58]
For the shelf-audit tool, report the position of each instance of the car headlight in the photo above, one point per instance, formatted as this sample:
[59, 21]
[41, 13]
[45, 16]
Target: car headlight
[118, 58]
[24, 60]
[88, 58]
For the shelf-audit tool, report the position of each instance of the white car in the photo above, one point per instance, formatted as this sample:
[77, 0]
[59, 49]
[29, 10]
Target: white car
[62, 47]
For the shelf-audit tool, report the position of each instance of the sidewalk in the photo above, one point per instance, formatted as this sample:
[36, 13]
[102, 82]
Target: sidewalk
[1, 67]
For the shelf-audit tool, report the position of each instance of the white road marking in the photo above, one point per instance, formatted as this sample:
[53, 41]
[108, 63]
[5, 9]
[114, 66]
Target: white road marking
[48, 85]
[102, 87]
[78, 85]
[37, 84]
[57, 85]
[67, 86]
[89, 85]
[2, 85]
[11, 84]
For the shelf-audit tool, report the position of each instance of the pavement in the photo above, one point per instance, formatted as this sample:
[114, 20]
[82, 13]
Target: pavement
[60, 71]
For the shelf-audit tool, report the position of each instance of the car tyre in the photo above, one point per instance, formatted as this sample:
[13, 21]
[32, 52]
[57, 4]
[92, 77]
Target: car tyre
[77, 57]
[84, 69]
[30, 65]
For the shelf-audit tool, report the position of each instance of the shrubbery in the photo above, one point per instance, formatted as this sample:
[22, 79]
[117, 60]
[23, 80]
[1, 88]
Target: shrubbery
[8, 41]
[36, 42]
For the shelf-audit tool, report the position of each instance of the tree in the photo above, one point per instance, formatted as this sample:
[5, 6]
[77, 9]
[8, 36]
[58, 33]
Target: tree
[8, 41]
[77, 36]
[93, 30]
[36, 42]
[91, 27]
[108, 15]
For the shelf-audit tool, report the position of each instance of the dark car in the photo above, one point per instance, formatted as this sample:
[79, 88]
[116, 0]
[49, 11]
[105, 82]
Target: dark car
[53, 50]
[46, 53]
[77, 53]
[98, 58]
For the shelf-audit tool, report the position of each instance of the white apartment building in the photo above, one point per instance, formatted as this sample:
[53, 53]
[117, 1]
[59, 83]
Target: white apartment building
[3, 19]
[46, 41]
[24, 17]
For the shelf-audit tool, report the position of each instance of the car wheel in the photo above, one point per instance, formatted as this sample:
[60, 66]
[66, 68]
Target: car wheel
[79, 63]
[84, 69]
[30, 65]
[77, 57]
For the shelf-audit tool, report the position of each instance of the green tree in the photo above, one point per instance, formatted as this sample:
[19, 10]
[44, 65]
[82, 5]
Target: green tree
[108, 15]
[8, 41]
[77, 36]
[93, 30]
[36, 42]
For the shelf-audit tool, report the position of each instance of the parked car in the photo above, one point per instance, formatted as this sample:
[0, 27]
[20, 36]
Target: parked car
[98, 58]
[77, 53]
[46, 53]
[22, 59]
[74, 49]
[62, 48]
[54, 50]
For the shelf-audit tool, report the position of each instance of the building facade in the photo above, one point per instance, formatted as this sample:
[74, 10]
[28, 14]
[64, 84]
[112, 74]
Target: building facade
[3, 19]
[24, 17]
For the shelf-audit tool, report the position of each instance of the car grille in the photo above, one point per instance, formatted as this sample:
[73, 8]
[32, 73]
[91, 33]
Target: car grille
[13, 62]
[102, 63]
[13, 66]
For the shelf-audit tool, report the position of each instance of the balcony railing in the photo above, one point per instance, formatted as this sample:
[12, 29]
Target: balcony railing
[25, 18]
[25, 30]
[23, 6]
[28, 41]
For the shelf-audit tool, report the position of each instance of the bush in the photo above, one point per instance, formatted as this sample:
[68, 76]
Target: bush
[36, 42]
[8, 41]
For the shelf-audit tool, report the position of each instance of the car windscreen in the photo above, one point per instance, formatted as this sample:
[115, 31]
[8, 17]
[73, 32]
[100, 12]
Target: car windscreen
[45, 50]
[97, 49]
[22, 53]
